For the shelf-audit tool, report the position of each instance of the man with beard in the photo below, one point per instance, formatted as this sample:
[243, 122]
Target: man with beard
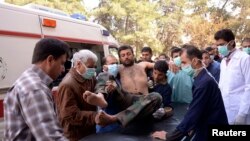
[136, 103]
[132, 76]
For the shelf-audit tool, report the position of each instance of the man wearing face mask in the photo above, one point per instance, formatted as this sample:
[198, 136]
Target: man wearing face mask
[207, 106]
[76, 116]
[212, 66]
[211, 52]
[180, 82]
[234, 78]
[106, 83]
[246, 45]
[214, 53]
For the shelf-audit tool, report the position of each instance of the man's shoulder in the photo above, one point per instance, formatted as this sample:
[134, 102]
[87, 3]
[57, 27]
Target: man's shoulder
[68, 78]
[215, 66]
[216, 63]
[142, 65]
[205, 79]
[103, 75]
[241, 55]
[28, 81]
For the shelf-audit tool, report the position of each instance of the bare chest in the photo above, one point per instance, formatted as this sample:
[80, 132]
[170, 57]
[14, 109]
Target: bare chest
[134, 79]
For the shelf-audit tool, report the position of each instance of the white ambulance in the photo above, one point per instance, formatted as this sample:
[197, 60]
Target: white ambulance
[22, 27]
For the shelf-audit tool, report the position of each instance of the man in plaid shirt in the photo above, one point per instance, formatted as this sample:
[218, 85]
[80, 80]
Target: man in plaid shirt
[29, 110]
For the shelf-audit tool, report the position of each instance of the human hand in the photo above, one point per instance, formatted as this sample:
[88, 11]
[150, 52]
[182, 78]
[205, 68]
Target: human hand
[240, 120]
[173, 68]
[150, 84]
[110, 86]
[160, 135]
[105, 68]
[95, 99]
[87, 95]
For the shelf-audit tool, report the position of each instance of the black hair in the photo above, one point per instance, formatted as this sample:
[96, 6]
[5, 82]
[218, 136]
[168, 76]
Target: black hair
[161, 66]
[192, 51]
[175, 50]
[163, 54]
[204, 51]
[209, 49]
[173, 47]
[104, 59]
[124, 47]
[147, 49]
[226, 35]
[49, 46]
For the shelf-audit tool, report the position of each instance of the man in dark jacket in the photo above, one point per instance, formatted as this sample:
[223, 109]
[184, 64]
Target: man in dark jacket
[206, 108]
[76, 116]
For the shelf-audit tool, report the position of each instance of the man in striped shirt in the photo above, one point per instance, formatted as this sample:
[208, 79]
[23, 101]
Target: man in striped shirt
[29, 110]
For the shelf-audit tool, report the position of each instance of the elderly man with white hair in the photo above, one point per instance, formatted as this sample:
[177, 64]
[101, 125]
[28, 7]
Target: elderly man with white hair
[75, 115]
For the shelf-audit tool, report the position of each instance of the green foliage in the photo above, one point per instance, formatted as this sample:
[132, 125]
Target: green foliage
[161, 24]
[68, 6]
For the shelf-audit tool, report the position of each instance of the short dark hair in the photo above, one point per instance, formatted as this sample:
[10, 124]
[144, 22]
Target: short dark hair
[192, 51]
[104, 59]
[209, 49]
[175, 50]
[246, 40]
[161, 66]
[173, 47]
[49, 46]
[125, 47]
[163, 54]
[204, 51]
[226, 35]
[147, 49]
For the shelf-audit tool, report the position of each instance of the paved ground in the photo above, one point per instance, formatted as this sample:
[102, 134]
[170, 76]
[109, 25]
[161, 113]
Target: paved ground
[140, 131]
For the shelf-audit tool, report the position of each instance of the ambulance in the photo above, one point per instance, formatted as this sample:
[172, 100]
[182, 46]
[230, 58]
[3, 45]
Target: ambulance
[21, 27]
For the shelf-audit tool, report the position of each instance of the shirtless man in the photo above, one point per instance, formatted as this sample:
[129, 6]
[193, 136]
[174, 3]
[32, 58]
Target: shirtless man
[133, 76]
[132, 95]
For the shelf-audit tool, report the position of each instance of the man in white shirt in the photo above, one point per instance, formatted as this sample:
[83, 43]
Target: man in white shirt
[234, 78]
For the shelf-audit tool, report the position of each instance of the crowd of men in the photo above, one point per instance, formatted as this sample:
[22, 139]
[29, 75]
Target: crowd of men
[215, 82]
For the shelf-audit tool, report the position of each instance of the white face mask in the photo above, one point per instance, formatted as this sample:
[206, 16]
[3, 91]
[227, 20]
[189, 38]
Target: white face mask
[212, 57]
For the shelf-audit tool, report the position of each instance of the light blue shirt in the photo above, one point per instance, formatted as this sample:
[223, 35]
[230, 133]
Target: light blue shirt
[181, 85]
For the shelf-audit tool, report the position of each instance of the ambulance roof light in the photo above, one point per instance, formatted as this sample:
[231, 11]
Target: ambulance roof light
[78, 16]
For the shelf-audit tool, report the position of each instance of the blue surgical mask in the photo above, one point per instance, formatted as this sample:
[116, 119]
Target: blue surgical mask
[90, 72]
[247, 50]
[113, 69]
[188, 70]
[223, 50]
[177, 61]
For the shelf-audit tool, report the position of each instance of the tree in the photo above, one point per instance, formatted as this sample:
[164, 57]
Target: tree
[68, 6]
[130, 21]
[161, 24]
[205, 20]
[169, 23]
